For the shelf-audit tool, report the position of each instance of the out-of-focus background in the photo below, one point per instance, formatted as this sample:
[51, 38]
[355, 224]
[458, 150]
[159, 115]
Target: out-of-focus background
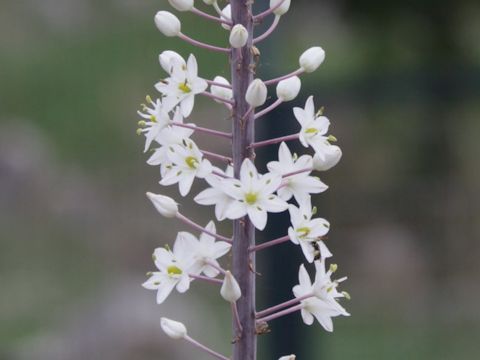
[401, 85]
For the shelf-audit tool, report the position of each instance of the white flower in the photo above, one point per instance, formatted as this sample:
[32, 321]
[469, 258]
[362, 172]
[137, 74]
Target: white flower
[182, 5]
[165, 205]
[282, 9]
[227, 15]
[288, 357]
[206, 250]
[173, 269]
[332, 156]
[322, 308]
[215, 195]
[171, 135]
[288, 89]
[311, 59]
[238, 36]
[256, 93]
[253, 194]
[168, 23]
[187, 163]
[168, 58]
[158, 119]
[182, 86]
[230, 290]
[314, 128]
[221, 91]
[300, 185]
[307, 232]
[174, 329]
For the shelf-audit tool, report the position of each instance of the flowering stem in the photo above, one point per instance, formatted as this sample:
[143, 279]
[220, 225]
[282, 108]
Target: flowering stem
[214, 83]
[270, 243]
[243, 262]
[248, 113]
[270, 30]
[214, 97]
[283, 305]
[216, 156]
[210, 17]
[204, 348]
[268, 109]
[204, 130]
[298, 172]
[259, 17]
[288, 76]
[201, 228]
[202, 45]
[221, 174]
[206, 278]
[274, 141]
[280, 314]
[236, 317]
[219, 11]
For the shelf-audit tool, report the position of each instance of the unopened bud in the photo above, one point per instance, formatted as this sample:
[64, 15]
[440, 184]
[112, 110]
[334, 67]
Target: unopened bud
[169, 58]
[288, 357]
[288, 89]
[182, 5]
[167, 23]
[174, 329]
[282, 9]
[312, 59]
[256, 93]
[331, 157]
[238, 36]
[230, 290]
[164, 204]
[220, 91]
[227, 15]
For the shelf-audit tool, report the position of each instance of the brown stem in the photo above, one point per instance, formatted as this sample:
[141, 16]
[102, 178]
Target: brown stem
[243, 231]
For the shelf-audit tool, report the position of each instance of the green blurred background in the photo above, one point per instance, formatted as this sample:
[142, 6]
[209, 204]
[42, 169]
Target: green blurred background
[401, 85]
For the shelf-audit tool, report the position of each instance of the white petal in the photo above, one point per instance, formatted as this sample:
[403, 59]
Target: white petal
[187, 105]
[258, 217]
[165, 289]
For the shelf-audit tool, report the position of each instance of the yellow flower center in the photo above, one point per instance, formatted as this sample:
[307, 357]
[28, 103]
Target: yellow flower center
[184, 88]
[251, 198]
[311, 131]
[303, 232]
[192, 162]
[174, 270]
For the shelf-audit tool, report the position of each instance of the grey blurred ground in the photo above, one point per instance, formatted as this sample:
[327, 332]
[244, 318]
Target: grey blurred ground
[402, 88]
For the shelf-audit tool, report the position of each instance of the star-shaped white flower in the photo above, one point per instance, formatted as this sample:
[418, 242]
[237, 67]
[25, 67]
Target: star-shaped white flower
[206, 251]
[157, 120]
[170, 135]
[173, 269]
[314, 128]
[182, 86]
[253, 195]
[307, 232]
[187, 163]
[299, 185]
[215, 195]
[323, 306]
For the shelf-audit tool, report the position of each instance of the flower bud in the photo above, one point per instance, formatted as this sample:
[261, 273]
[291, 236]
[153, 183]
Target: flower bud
[174, 329]
[256, 93]
[329, 160]
[282, 9]
[221, 91]
[167, 23]
[227, 15]
[312, 59]
[288, 89]
[168, 58]
[288, 357]
[182, 5]
[230, 290]
[164, 204]
[238, 36]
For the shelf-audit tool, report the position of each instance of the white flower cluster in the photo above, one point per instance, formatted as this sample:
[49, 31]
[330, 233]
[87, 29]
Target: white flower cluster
[287, 186]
